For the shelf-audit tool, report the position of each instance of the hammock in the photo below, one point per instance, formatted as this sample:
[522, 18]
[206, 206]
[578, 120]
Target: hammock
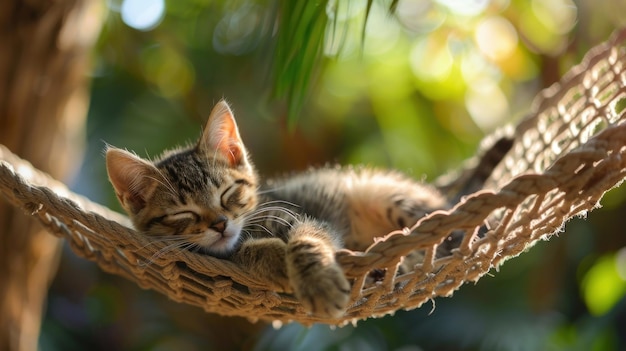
[565, 155]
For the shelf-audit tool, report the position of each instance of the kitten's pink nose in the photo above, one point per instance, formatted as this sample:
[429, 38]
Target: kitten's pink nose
[219, 224]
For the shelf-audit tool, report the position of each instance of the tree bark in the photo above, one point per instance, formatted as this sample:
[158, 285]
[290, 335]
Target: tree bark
[44, 55]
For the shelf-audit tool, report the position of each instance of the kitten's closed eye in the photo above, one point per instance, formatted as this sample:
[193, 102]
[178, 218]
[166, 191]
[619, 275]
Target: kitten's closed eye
[175, 220]
[232, 197]
[183, 215]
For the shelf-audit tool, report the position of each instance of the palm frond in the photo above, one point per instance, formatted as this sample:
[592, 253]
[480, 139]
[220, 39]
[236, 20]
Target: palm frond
[301, 29]
[298, 55]
[368, 8]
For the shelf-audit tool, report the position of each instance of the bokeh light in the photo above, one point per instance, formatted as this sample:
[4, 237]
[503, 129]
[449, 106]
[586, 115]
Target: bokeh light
[142, 15]
[431, 59]
[603, 286]
[238, 31]
[420, 16]
[545, 23]
[559, 16]
[496, 38]
[465, 7]
[487, 105]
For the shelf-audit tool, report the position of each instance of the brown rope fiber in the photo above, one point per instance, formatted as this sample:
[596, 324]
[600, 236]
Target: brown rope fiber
[566, 154]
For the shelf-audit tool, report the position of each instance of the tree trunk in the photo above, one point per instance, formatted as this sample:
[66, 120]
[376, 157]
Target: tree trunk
[44, 54]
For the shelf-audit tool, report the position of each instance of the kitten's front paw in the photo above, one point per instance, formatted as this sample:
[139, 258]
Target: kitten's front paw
[265, 259]
[323, 290]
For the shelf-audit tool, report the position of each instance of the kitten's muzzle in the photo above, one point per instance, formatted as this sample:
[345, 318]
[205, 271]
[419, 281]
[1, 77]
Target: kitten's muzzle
[219, 224]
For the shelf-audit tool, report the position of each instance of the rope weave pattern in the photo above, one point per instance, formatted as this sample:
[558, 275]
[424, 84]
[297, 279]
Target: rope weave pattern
[567, 153]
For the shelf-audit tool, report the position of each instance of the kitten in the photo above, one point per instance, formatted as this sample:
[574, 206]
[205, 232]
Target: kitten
[287, 231]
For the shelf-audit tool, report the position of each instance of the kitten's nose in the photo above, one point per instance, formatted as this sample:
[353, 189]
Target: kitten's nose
[219, 224]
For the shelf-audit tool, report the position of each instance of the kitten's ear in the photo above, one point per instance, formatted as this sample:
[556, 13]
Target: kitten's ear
[133, 178]
[220, 136]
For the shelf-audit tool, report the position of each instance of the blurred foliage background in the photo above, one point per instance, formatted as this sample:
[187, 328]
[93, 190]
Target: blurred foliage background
[409, 84]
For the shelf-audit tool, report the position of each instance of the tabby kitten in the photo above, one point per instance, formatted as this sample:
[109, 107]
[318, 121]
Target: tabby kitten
[287, 231]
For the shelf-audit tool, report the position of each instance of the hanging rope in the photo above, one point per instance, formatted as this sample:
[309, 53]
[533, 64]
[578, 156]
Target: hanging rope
[564, 156]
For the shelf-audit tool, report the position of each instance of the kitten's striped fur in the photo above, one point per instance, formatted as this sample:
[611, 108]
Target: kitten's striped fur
[287, 231]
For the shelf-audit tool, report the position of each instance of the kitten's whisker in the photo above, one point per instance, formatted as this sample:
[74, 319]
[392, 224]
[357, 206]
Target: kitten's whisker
[286, 211]
[173, 237]
[271, 206]
[277, 208]
[278, 202]
[156, 239]
[165, 238]
[264, 217]
[271, 218]
[248, 234]
[262, 227]
[166, 249]
[195, 248]
[269, 190]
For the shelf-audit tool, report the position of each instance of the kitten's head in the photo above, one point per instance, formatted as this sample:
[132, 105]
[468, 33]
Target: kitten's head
[201, 193]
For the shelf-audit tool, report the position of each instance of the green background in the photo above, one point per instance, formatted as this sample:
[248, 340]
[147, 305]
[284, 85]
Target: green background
[311, 83]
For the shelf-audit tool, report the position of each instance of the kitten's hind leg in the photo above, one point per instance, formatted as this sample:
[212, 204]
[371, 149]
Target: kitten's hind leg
[318, 281]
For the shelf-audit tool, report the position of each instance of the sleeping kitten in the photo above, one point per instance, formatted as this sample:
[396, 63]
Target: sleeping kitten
[286, 231]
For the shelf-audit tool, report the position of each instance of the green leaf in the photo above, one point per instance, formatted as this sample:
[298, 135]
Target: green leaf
[301, 30]
[298, 55]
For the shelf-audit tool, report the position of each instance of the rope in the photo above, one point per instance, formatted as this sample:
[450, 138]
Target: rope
[564, 156]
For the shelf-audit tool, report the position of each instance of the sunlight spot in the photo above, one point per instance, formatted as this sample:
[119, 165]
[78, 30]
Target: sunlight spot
[559, 16]
[25, 171]
[420, 16]
[143, 15]
[431, 60]
[465, 7]
[475, 67]
[487, 105]
[496, 38]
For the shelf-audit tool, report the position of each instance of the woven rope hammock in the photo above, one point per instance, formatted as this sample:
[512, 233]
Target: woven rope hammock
[564, 157]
